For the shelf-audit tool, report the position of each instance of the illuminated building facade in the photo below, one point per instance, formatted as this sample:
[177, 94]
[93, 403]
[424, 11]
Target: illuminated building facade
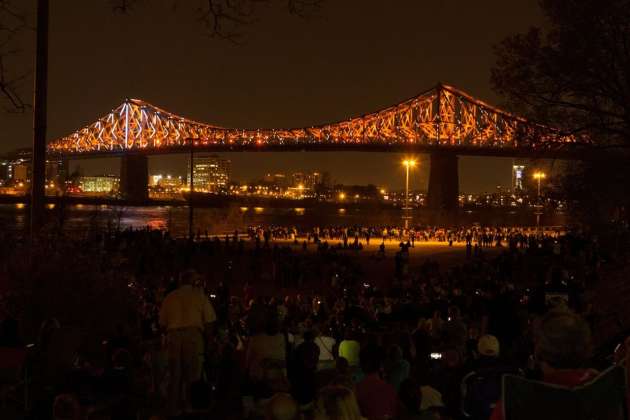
[306, 180]
[211, 173]
[518, 175]
[171, 182]
[107, 184]
[154, 180]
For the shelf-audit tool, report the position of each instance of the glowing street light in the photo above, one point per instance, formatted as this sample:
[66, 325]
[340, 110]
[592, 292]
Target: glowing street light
[538, 176]
[407, 163]
[342, 196]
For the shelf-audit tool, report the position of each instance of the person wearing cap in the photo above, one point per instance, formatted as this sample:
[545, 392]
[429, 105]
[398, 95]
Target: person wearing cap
[185, 314]
[486, 354]
[488, 349]
[481, 387]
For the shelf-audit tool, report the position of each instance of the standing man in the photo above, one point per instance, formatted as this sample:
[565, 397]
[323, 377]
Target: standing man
[186, 314]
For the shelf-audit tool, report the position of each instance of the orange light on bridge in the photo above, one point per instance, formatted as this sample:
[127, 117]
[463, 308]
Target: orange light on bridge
[443, 115]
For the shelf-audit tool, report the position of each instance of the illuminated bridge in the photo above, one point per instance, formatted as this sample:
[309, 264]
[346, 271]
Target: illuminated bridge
[443, 121]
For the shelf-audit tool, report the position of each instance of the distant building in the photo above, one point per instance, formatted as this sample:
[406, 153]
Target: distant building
[518, 176]
[313, 179]
[56, 169]
[210, 173]
[171, 182]
[6, 171]
[306, 180]
[106, 184]
[154, 180]
[17, 167]
[278, 179]
[21, 172]
[297, 178]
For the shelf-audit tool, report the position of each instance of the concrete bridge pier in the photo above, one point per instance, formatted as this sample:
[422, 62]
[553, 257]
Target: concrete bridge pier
[443, 196]
[134, 178]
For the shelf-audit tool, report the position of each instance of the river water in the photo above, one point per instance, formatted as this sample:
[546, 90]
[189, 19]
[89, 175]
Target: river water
[79, 217]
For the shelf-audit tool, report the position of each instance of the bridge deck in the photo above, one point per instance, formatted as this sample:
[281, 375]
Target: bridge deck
[569, 152]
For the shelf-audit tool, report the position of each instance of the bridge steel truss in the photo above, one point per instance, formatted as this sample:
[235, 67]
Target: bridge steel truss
[443, 118]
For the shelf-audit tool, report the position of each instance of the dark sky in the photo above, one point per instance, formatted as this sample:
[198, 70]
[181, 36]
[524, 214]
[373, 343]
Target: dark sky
[357, 57]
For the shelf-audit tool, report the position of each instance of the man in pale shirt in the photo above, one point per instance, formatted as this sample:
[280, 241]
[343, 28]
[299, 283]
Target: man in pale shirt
[185, 314]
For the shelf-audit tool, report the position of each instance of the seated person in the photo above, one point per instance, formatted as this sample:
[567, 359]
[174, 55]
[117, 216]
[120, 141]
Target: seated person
[282, 407]
[410, 395]
[337, 403]
[377, 399]
[396, 367]
[562, 346]
[266, 359]
[481, 387]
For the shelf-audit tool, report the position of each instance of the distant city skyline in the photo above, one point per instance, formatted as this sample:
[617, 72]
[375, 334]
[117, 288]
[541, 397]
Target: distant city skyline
[381, 169]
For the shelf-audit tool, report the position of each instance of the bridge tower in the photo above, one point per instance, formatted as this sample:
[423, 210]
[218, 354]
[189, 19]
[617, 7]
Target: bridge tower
[134, 178]
[443, 197]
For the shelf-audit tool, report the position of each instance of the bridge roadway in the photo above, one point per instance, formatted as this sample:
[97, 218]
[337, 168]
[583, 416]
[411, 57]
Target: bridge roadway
[570, 151]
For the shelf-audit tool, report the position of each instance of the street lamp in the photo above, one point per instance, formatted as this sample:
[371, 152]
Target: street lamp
[538, 176]
[407, 163]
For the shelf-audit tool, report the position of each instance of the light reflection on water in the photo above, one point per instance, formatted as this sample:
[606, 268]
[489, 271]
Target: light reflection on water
[222, 220]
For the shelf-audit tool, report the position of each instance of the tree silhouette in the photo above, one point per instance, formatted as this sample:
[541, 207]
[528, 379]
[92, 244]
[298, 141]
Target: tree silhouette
[574, 74]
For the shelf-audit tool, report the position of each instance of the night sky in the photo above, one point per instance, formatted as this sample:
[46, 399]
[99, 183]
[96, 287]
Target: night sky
[358, 56]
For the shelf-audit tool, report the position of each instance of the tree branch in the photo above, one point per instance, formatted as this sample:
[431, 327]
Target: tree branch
[223, 19]
[12, 22]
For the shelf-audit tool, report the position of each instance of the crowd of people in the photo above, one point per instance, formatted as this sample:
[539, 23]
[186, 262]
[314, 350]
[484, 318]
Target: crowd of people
[252, 328]
[483, 236]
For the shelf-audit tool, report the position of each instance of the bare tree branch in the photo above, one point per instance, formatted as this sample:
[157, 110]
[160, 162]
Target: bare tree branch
[573, 73]
[122, 6]
[304, 8]
[223, 19]
[12, 21]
